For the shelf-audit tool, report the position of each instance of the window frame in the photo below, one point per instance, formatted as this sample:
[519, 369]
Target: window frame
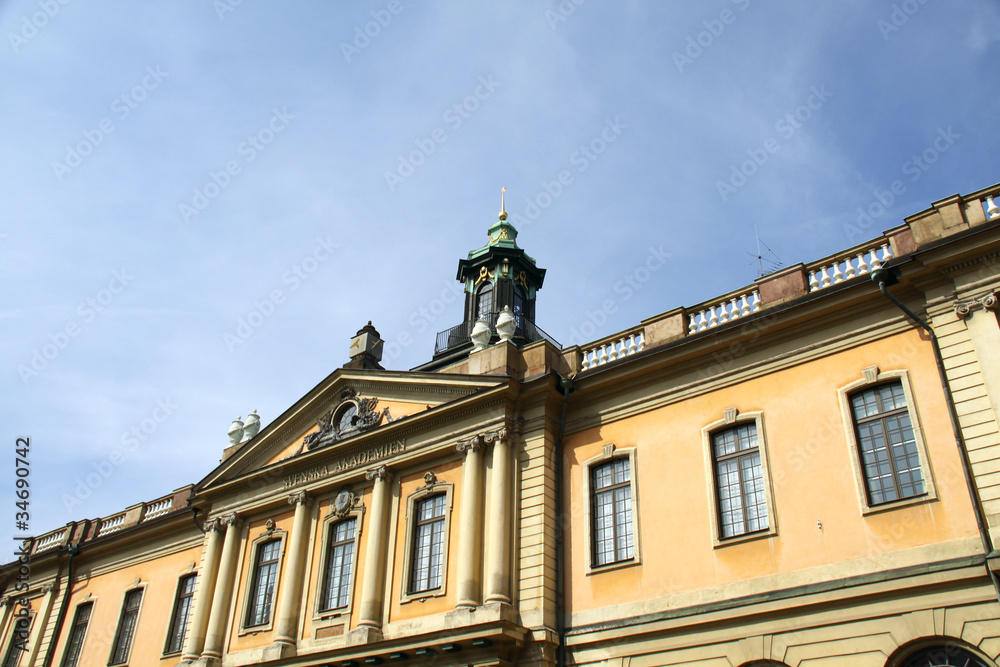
[872, 377]
[733, 418]
[167, 651]
[425, 493]
[135, 627]
[253, 551]
[12, 633]
[83, 640]
[610, 452]
[327, 528]
[491, 288]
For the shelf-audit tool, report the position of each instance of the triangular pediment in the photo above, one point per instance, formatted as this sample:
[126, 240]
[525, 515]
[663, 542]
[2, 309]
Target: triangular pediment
[349, 404]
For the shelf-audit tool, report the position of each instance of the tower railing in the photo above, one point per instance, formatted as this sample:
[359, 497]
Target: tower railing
[459, 335]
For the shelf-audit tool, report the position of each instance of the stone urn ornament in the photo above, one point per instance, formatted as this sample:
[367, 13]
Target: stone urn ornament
[480, 335]
[252, 425]
[506, 324]
[236, 431]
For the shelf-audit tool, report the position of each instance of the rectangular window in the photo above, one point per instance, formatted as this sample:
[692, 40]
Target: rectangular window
[742, 504]
[339, 562]
[428, 544]
[265, 579]
[18, 642]
[889, 458]
[182, 614]
[126, 627]
[77, 634]
[611, 512]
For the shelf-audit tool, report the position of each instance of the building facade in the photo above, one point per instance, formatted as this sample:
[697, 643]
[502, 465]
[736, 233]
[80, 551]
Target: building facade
[802, 472]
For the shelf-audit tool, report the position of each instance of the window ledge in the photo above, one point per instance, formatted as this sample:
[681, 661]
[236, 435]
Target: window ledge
[926, 497]
[746, 537]
[619, 565]
[422, 596]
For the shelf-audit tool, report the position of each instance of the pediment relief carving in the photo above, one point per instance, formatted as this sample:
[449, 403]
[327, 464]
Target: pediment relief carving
[352, 415]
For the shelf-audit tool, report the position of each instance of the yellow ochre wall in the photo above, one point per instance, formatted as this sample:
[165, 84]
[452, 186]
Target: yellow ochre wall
[239, 639]
[448, 472]
[811, 475]
[160, 578]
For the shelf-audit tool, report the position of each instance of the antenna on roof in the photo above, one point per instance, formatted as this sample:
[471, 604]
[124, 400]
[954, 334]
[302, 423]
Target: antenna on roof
[761, 258]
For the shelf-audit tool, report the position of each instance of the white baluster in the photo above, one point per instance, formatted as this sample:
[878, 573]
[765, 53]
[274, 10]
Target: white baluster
[586, 360]
[886, 253]
[642, 341]
[613, 353]
[693, 325]
[875, 263]
[734, 311]
[703, 322]
[813, 283]
[603, 359]
[631, 344]
[756, 301]
[823, 278]
[624, 349]
[724, 313]
[838, 275]
[850, 269]
[714, 319]
[745, 310]
[992, 210]
[862, 266]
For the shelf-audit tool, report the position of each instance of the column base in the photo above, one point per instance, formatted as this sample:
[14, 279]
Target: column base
[363, 635]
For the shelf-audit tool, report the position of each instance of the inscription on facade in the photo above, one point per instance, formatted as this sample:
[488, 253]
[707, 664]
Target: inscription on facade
[344, 463]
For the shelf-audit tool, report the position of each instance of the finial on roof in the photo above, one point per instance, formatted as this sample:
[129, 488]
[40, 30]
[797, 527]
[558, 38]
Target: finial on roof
[503, 208]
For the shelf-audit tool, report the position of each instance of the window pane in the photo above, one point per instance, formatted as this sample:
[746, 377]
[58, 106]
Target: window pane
[428, 545]
[611, 512]
[182, 613]
[340, 560]
[739, 481]
[126, 627]
[264, 581]
[888, 450]
[77, 634]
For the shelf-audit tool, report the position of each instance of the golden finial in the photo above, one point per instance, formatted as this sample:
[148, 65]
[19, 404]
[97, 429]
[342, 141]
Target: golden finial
[503, 208]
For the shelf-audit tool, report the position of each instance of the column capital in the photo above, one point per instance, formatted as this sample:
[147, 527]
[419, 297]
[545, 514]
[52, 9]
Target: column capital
[48, 588]
[481, 440]
[227, 520]
[299, 498]
[379, 472]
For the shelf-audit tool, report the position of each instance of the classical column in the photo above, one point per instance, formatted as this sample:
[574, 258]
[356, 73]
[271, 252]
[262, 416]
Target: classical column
[292, 588]
[219, 615]
[373, 587]
[42, 621]
[498, 578]
[205, 588]
[470, 534]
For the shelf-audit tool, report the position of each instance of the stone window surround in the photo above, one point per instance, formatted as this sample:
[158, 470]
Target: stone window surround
[135, 631]
[424, 492]
[190, 570]
[252, 548]
[609, 452]
[872, 376]
[733, 417]
[326, 525]
[86, 599]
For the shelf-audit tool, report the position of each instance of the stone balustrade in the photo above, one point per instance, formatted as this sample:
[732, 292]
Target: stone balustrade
[158, 508]
[111, 525]
[622, 345]
[50, 540]
[849, 266]
[734, 307]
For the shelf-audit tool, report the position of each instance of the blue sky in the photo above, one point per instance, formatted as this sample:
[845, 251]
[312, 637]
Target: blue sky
[169, 169]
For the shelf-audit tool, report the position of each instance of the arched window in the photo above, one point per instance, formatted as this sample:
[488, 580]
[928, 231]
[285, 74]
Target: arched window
[943, 655]
[519, 307]
[484, 305]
